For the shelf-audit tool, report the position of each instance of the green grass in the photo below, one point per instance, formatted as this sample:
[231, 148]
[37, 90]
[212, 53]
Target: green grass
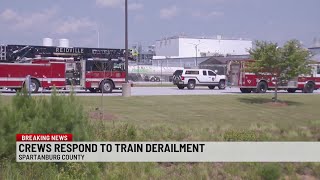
[205, 118]
[199, 115]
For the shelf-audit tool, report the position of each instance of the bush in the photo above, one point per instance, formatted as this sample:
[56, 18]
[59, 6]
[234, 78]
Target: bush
[240, 135]
[57, 114]
[270, 172]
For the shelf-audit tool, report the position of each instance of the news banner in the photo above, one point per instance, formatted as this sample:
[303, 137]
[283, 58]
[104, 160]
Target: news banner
[62, 148]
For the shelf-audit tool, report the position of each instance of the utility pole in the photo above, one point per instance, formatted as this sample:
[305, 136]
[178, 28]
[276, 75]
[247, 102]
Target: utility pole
[126, 40]
[196, 48]
[196, 55]
[126, 87]
[98, 38]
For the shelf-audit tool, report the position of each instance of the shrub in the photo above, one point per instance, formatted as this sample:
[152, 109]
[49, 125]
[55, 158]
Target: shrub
[270, 172]
[57, 114]
[240, 135]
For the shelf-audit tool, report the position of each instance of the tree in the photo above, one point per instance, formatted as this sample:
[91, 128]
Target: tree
[282, 63]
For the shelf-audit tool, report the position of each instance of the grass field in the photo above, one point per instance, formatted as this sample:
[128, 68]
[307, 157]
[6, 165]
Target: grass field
[205, 118]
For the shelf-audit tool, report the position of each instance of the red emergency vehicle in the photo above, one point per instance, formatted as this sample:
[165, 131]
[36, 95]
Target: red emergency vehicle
[85, 68]
[248, 82]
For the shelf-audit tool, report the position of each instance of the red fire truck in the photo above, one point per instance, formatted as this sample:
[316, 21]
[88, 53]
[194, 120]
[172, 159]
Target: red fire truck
[86, 68]
[249, 82]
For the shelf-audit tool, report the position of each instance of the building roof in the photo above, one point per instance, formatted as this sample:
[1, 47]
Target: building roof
[316, 58]
[223, 60]
[219, 37]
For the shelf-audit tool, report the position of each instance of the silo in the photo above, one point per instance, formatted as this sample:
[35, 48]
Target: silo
[47, 42]
[63, 43]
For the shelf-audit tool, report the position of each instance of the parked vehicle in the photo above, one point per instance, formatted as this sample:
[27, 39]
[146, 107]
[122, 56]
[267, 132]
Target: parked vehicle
[92, 69]
[248, 82]
[191, 78]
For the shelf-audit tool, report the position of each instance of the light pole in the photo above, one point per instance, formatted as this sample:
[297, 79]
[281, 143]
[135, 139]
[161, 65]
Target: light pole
[98, 34]
[98, 37]
[126, 40]
[196, 48]
[126, 87]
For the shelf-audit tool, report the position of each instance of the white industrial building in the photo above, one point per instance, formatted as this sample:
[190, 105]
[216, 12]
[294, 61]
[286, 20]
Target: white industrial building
[185, 47]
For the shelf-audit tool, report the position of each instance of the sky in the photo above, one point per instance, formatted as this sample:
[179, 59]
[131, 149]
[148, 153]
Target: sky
[29, 21]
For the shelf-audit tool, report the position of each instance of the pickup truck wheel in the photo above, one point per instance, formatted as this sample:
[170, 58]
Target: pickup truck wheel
[222, 85]
[191, 85]
[106, 86]
[180, 87]
[211, 87]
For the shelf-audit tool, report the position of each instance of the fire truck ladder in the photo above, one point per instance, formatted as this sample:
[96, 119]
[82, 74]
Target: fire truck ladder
[22, 58]
[3, 53]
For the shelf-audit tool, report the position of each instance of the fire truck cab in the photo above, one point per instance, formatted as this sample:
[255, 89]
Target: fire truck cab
[249, 82]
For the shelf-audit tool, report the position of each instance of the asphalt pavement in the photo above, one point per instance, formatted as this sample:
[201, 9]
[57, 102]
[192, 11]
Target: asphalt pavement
[154, 91]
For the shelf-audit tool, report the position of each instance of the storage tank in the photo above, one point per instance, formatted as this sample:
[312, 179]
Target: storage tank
[63, 43]
[47, 42]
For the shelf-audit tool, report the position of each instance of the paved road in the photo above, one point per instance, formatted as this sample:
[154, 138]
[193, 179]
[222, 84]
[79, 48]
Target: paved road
[156, 91]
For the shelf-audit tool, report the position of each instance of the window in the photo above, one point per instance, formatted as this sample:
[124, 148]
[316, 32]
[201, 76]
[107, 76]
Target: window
[104, 66]
[211, 73]
[204, 73]
[318, 69]
[192, 72]
[178, 73]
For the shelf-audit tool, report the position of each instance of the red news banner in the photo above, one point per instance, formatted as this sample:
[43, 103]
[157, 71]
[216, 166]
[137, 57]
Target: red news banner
[43, 137]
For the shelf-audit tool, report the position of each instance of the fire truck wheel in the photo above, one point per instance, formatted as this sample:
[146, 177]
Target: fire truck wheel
[309, 87]
[291, 90]
[262, 87]
[222, 85]
[17, 89]
[34, 86]
[92, 90]
[211, 87]
[106, 86]
[245, 90]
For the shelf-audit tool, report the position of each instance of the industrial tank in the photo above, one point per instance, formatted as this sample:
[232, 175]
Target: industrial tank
[63, 43]
[47, 42]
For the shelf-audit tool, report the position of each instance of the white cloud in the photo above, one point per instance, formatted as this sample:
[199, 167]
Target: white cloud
[169, 12]
[110, 3]
[46, 21]
[135, 6]
[9, 15]
[215, 13]
[74, 25]
[207, 14]
[139, 18]
[26, 21]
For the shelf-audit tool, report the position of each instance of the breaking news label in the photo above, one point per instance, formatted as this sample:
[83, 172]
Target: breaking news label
[61, 148]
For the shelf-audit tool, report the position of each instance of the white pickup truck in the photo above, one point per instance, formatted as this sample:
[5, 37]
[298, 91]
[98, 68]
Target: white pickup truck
[191, 78]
